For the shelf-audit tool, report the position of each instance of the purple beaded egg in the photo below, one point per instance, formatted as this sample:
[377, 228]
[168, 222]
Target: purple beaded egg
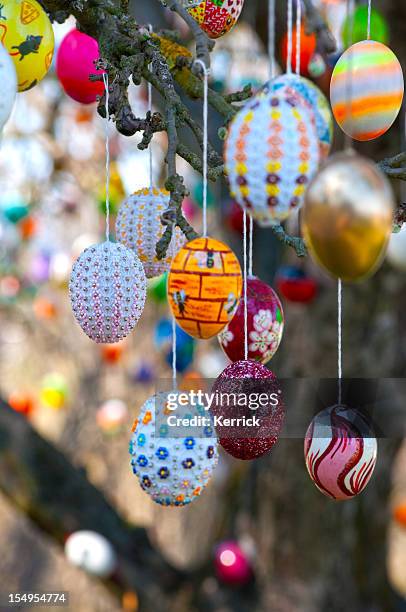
[107, 291]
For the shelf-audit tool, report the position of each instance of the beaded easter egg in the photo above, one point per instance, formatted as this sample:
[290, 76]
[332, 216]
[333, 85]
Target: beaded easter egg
[75, 62]
[264, 324]
[317, 102]
[8, 79]
[248, 409]
[139, 228]
[107, 291]
[215, 17]
[344, 236]
[27, 35]
[340, 452]
[204, 287]
[271, 154]
[366, 90]
[173, 463]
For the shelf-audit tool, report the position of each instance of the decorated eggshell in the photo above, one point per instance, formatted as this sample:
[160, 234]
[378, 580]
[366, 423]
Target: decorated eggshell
[271, 154]
[317, 102]
[75, 62]
[215, 17]
[236, 396]
[107, 291]
[173, 464]
[139, 228]
[366, 90]
[308, 46]
[396, 253]
[8, 79]
[265, 325]
[92, 552]
[295, 285]
[27, 34]
[340, 452]
[355, 26]
[204, 287]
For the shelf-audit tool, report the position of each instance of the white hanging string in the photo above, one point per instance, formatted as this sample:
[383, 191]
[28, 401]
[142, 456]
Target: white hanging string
[271, 37]
[289, 54]
[251, 248]
[245, 290]
[205, 138]
[106, 88]
[339, 334]
[151, 180]
[174, 372]
[298, 33]
[369, 19]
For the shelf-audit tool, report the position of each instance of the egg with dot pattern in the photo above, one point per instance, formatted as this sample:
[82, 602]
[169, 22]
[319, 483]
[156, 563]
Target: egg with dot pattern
[215, 17]
[107, 291]
[173, 464]
[271, 154]
[139, 228]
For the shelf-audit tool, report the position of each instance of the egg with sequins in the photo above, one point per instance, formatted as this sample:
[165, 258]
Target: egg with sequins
[215, 17]
[340, 452]
[271, 154]
[139, 228]
[173, 462]
[107, 291]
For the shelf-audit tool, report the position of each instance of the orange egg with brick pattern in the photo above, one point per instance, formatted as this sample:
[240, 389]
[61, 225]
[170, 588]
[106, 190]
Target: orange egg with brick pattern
[204, 287]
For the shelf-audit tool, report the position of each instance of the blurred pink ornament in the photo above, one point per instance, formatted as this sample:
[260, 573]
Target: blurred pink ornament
[231, 564]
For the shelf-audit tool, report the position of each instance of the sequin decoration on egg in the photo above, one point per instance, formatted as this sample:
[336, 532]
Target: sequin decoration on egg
[340, 452]
[107, 291]
[215, 17]
[366, 90]
[173, 463]
[271, 154]
[139, 228]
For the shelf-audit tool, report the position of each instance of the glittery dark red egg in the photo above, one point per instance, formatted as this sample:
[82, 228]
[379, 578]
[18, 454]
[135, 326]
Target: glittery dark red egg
[248, 409]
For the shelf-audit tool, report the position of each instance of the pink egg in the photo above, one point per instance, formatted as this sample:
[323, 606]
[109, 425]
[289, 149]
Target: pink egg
[231, 564]
[74, 63]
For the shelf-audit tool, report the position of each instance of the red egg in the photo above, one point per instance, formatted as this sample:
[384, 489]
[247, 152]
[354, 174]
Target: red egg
[231, 564]
[74, 63]
[235, 217]
[308, 44]
[265, 325]
[294, 285]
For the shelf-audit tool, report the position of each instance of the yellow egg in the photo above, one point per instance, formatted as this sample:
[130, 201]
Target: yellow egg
[27, 34]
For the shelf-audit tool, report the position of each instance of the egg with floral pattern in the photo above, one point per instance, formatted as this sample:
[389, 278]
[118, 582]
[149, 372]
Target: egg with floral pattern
[265, 323]
[215, 17]
[173, 449]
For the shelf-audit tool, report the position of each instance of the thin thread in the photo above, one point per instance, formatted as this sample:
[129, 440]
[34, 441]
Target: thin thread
[151, 179]
[174, 342]
[245, 290]
[339, 334]
[106, 88]
[298, 33]
[289, 57]
[271, 37]
[251, 248]
[369, 19]
[205, 139]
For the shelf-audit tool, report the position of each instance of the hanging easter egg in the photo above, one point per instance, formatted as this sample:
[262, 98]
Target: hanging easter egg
[8, 79]
[316, 101]
[204, 287]
[235, 217]
[21, 402]
[215, 17]
[295, 285]
[271, 153]
[308, 43]
[396, 253]
[143, 374]
[45, 308]
[15, 211]
[157, 288]
[355, 26]
[399, 514]
[248, 409]
[112, 416]
[27, 35]
[366, 90]
[112, 353]
[139, 228]
[317, 66]
[75, 63]
[231, 564]
[107, 291]
[264, 325]
[340, 452]
[173, 463]
[92, 552]
[345, 236]
[185, 345]
[54, 391]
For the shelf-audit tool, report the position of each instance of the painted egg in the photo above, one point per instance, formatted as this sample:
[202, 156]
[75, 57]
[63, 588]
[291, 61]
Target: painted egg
[366, 90]
[317, 102]
[271, 154]
[340, 452]
[139, 228]
[8, 79]
[396, 253]
[264, 322]
[295, 285]
[248, 410]
[173, 463]
[27, 34]
[185, 344]
[204, 287]
[308, 46]
[92, 552]
[107, 291]
[215, 17]
[345, 237]
[232, 564]
[355, 26]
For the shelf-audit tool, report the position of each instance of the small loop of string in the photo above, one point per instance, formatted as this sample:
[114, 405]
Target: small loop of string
[289, 54]
[206, 72]
[151, 180]
[245, 290]
[271, 37]
[251, 247]
[339, 337]
[298, 33]
[106, 88]
[369, 20]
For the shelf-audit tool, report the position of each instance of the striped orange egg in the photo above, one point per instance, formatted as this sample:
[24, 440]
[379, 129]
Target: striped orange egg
[366, 90]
